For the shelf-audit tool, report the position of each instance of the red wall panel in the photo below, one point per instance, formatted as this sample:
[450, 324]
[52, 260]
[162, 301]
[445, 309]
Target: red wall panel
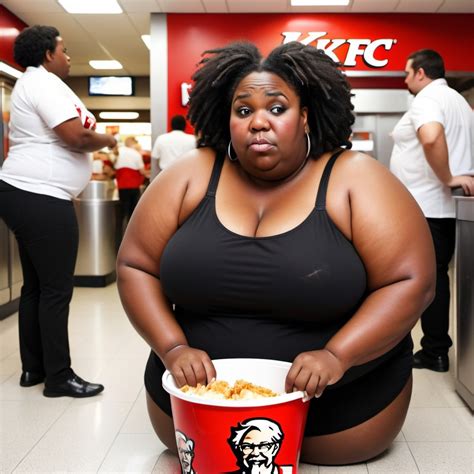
[10, 26]
[190, 34]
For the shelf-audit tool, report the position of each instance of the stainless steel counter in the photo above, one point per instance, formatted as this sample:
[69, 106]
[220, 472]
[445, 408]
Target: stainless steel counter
[11, 276]
[98, 217]
[464, 264]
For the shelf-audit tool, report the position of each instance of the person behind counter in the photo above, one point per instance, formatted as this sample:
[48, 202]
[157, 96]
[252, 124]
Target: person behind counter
[102, 166]
[273, 240]
[432, 155]
[130, 173]
[51, 132]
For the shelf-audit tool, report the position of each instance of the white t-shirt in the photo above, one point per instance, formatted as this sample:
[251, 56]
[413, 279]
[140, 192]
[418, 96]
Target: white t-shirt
[170, 146]
[434, 103]
[129, 158]
[38, 160]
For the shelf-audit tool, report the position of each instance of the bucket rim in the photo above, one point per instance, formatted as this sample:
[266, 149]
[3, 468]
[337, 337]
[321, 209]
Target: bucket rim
[170, 386]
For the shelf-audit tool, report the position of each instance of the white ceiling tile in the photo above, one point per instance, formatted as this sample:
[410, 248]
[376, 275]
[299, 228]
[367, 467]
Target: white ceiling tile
[253, 6]
[137, 6]
[181, 6]
[215, 6]
[457, 6]
[115, 27]
[32, 6]
[141, 21]
[418, 6]
[371, 6]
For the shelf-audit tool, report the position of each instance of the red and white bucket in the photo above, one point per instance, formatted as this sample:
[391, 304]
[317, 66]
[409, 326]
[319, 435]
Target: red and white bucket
[237, 436]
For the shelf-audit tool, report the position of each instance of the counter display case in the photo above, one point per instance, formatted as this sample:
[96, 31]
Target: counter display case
[464, 264]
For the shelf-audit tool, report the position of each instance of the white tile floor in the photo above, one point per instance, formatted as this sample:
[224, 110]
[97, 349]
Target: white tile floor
[111, 432]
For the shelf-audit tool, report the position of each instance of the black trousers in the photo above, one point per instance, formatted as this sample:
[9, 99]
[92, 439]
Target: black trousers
[435, 319]
[47, 233]
[128, 201]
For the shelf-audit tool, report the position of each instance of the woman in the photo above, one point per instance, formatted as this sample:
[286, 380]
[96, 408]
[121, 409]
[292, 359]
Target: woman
[273, 241]
[51, 132]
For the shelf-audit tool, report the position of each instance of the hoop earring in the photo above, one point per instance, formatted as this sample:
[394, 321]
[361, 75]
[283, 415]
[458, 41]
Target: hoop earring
[229, 150]
[308, 141]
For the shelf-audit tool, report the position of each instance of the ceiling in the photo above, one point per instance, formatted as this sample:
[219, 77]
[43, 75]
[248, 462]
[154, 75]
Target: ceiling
[119, 36]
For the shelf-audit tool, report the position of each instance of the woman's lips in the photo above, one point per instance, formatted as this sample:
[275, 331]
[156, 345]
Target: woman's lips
[261, 147]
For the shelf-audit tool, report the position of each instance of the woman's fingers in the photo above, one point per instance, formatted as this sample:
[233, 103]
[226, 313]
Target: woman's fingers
[189, 375]
[291, 377]
[209, 369]
[179, 377]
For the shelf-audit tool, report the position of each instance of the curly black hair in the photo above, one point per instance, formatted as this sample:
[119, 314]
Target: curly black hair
[314, 76]
[32, 43]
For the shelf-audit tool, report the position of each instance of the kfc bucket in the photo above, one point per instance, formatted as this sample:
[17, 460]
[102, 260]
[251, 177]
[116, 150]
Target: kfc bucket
[237, 436]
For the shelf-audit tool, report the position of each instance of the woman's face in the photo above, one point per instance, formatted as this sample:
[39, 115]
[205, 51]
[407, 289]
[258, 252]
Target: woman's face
[58, 61]
[267, 126]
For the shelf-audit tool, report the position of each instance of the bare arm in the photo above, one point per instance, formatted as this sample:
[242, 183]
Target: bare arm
[432, 138]
[82, 139]
[153, 223]
[392, 238]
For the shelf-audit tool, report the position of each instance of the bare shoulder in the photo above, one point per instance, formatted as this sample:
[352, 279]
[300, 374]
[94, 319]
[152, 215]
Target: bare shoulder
[363, 175]
[362, 191]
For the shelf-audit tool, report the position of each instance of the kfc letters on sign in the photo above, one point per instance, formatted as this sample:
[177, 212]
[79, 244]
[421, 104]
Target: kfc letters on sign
[355, 47]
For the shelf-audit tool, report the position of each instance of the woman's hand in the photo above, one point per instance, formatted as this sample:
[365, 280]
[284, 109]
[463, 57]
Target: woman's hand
[189, 366]
[313, 371]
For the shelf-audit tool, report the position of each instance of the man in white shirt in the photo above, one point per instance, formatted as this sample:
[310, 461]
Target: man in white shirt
[431, 156]
[170, 146]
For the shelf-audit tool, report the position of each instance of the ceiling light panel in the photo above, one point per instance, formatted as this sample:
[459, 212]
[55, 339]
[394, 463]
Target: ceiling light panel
[91, 6]
[147, 40]
[119, 115]
[319, 3]
[105, 64]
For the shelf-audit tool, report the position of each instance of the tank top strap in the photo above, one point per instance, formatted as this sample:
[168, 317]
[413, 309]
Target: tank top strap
[216, 172]
[323, 185]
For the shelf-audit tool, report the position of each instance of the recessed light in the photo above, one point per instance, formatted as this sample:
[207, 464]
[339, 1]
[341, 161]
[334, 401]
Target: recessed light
[105, 64]
[91, 6]
[147, 40]
[319, 3]
[11, 71]
[119, 115]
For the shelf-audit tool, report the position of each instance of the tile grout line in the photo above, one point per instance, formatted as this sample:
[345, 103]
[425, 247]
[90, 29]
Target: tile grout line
[43, 435]
[118, 431]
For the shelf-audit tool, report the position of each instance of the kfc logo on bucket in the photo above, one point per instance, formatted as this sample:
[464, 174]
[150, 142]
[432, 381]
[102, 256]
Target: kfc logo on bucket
[362, 47]
[247, 436]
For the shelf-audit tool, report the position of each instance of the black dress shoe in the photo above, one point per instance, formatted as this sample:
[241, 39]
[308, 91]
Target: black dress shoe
[72, 387]
[423, 361]
[29, 379]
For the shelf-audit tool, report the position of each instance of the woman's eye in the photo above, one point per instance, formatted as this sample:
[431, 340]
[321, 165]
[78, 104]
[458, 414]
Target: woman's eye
[243, 111]
[277, 109]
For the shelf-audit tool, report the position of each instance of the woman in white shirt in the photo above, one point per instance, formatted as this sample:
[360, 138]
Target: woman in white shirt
[51, 133]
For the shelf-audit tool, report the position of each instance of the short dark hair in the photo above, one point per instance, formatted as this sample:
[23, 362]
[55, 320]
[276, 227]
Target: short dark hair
[32, 43]
[314, 76]
[431, 62]
[178, 122]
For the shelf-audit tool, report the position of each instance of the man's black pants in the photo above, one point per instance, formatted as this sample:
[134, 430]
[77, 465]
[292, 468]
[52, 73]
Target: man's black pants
[435, 320]
[47, 233]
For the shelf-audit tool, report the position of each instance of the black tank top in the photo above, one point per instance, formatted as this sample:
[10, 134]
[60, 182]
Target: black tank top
[278, 295]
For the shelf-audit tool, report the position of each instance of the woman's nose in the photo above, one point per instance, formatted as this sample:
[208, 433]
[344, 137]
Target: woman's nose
[259, 121]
